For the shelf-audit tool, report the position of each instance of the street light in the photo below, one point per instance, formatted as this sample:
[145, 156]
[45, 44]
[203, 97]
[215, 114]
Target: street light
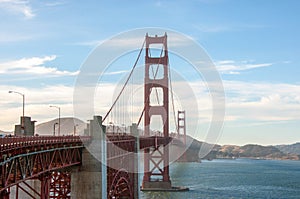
[22, 120]
[58, 117]
[124, 128]
[111, 124]
[54, 128]
[75, 129]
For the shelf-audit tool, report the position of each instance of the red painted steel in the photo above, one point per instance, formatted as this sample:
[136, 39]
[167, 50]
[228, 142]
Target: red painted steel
[156, 161]
[181, 126]
[23, 158]
[120, 151]
[121, 184]
[120, 162]
[146, 142]
[181, 134]
[45, 159]
[4, 194]
[60, 185]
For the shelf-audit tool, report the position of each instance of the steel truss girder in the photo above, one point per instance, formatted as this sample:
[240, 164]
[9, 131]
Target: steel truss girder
[20, 160]
[23, 167]
[60, 185]
[53, 185]
[121, 183]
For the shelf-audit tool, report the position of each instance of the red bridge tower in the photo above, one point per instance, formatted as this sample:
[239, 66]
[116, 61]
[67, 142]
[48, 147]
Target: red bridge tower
[156, 161]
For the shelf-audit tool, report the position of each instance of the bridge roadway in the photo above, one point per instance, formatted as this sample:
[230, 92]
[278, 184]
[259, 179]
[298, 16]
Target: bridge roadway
[38, 157]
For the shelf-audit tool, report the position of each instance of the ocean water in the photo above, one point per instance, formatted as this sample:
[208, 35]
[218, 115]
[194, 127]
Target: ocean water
[240, 178]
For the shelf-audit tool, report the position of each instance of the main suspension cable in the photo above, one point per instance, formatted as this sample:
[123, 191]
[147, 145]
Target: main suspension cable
[128, 78]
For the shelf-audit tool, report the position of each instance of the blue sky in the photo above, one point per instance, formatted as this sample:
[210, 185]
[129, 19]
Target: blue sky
[254, 45]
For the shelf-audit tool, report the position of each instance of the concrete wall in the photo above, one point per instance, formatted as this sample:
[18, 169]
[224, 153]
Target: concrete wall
[86, 181]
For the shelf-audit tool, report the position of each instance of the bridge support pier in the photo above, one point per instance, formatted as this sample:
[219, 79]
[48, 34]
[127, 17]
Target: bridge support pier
[87, 179]
[136, 184]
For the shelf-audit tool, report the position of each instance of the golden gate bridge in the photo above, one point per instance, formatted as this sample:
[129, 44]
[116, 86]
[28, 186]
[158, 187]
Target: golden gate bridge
[52, 160]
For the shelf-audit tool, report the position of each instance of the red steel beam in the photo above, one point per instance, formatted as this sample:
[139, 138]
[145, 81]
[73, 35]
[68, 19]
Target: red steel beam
[23, 158]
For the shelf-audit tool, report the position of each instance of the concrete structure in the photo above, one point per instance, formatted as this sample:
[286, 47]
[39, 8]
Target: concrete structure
[136, 185]
[86, 180]
[28, 129]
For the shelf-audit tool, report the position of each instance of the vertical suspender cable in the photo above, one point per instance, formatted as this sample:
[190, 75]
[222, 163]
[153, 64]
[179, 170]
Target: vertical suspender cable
[125, 82]
[172, 97]
[154, 76]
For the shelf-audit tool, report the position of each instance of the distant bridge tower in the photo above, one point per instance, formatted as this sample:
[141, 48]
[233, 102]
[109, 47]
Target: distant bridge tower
[181, 131]
[181, 126]
[156, 161]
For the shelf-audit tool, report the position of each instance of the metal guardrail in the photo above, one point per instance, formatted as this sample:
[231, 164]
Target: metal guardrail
[13, 144]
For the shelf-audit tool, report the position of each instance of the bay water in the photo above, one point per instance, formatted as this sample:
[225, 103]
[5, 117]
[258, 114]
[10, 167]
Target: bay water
[239, 178]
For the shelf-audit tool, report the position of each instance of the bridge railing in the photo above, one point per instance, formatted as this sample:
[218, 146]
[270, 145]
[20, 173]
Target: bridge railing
[14, 144]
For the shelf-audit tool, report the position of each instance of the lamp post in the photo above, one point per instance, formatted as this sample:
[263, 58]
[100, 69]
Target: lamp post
[75, 129]
[111, 126]
[58, 117]
[22, 120]
[54, 128]
[124, 128]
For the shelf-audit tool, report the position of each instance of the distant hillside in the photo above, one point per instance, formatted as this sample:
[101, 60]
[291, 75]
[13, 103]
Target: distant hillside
[253, 151]
[258, 151]
[192, 153]
[66, 127]
[290, 152]
[290, 149]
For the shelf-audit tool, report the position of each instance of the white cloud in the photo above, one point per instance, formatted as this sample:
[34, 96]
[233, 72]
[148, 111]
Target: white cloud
[233, 67]
[92, 43]
[116, 72]
[6, 37]
[33, 65]
[37, 101]
[17, 7]
[135, 41]
[262, 101]
[212, 29]
[247, 103]
[218, 28]
[55, 3]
